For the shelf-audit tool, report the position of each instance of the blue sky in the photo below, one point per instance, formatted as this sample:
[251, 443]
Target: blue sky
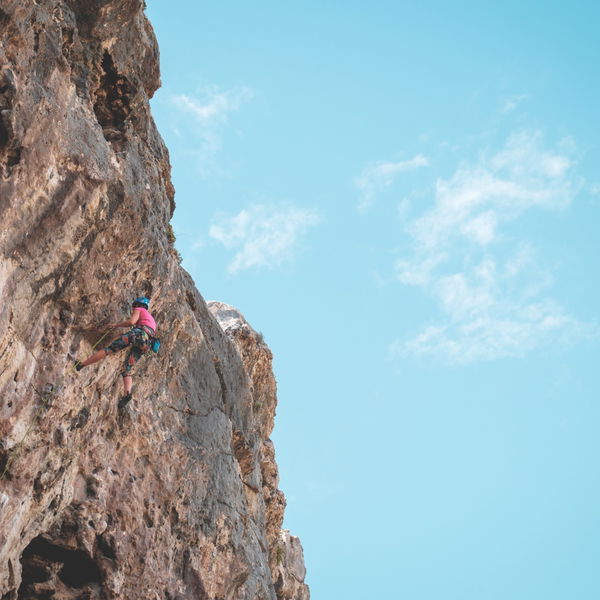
[403, 198]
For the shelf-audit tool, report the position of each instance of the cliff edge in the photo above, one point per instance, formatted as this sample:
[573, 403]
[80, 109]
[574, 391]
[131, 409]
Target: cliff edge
[177, 496]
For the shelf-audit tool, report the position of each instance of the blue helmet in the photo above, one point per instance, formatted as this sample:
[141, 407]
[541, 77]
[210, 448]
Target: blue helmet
[142, 300]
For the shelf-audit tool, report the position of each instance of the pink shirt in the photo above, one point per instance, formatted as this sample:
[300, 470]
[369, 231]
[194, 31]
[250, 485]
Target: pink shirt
[145, 319]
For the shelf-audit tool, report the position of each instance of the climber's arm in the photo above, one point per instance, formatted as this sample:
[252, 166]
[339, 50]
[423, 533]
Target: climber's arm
[133, 319]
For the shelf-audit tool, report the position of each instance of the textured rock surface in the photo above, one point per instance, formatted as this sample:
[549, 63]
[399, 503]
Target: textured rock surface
[177, 497]
[286, 559]
[289, 570]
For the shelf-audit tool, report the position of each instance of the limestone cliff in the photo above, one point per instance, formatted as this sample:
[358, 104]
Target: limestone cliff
[177, 496]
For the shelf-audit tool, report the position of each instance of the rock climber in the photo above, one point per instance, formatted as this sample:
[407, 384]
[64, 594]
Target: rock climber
[139, 337]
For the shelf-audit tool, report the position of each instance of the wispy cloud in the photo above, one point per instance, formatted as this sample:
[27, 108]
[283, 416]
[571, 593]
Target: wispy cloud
[263, 235]
[205, 116]
[378, 177]
[512, 102]
[487, 286]
[488, 315]
[212, 105]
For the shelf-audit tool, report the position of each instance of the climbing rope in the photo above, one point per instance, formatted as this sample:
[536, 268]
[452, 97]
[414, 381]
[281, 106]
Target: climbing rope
[77, 362]
[46, 399]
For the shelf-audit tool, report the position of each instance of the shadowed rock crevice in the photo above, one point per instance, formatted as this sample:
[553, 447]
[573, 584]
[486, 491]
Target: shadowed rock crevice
[106, 547]
[86, 13]
[243, 453]
[192, 579]
[4, 19]
[68, 39]
[10, 150]
[49, 571]
[113, 100]
[5, 464]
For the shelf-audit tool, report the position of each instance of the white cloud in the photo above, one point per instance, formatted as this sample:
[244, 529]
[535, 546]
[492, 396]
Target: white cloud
[204, 117]
[263, 235]
[487, 336]
[418, 271]
[522, 259]
[487, 286]
[524, 157]
[212, 105]
[487, 318]
[380, 176]
[480, 197]
[512, 102]
[481, 228]
[595, 189]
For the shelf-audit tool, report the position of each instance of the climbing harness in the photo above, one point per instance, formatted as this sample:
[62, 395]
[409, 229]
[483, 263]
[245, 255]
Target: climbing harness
[154, 341]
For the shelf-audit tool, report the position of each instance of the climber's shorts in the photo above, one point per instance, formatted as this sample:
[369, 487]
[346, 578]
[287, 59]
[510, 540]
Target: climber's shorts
[139, 340]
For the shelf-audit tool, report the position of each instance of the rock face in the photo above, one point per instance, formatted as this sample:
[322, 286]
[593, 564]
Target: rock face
[286, 560]
[175, 497]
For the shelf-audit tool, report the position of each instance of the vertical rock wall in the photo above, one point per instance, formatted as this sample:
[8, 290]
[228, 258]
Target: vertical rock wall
[175, 497]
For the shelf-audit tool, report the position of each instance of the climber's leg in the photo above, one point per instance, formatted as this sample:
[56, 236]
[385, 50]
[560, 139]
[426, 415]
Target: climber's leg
[94, 358]
[133, 356]
[118, 344]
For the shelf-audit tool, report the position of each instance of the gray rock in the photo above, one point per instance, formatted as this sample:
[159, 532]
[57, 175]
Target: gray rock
[177, 496]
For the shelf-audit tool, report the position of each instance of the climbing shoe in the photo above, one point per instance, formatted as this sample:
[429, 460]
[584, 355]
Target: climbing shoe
[124, 400]
[79, 366]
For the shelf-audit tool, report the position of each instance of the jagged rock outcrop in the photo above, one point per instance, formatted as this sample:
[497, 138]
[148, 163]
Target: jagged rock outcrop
[177, 496]
[286, 559]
